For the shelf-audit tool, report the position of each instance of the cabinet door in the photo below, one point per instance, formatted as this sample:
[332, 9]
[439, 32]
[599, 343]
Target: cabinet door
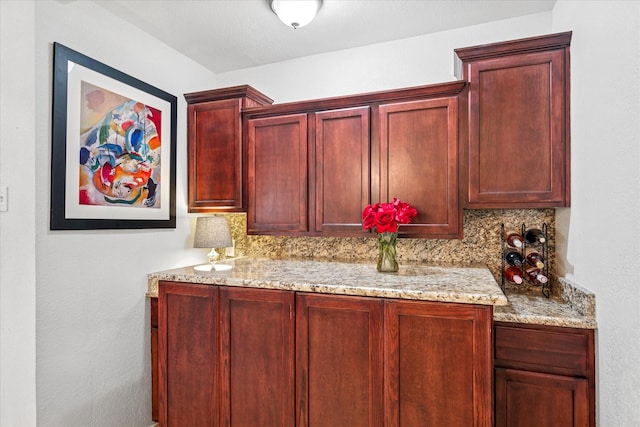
[187, 343]
[277, 175]
[418, 164]
[153, 309]
[257, 357]
[342, 178]
[518, 152]
[530, 399]
[214, 145]
[438, 365]
[339, 361]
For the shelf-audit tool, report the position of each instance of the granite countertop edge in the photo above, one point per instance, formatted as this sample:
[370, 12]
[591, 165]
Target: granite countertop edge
[574, 307]
[471, 284]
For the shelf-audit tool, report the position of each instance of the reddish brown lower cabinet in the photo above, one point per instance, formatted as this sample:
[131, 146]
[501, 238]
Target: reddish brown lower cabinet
[437, 364]
[339, 361]
[153, 309]
[531, 399]
[187, 354]
[544, 376]
[225, 356]
[241, 357]
[256, 357]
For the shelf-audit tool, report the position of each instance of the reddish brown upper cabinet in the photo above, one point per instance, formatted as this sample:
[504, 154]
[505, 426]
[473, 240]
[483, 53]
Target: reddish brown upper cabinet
[214, 147]
[518, 150]
[342, 170]
[359, 149]
[418, 164]
[277, 181]
[544, 376]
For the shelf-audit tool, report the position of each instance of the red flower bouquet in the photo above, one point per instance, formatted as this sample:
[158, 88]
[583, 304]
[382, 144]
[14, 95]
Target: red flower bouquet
[386, 218]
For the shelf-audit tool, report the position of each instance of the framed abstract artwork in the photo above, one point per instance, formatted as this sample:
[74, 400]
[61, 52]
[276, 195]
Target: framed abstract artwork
[113, 148]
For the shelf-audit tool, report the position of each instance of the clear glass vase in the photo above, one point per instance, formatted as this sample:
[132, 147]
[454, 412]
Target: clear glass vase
[387, 257]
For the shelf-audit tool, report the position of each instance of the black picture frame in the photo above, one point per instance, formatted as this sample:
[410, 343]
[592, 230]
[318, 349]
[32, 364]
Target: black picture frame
[125, 155]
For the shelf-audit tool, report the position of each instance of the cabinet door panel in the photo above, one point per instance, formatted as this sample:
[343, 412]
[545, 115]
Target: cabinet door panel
[529, 399]
[517, 137]
[438, 364]
[257, 357]
[342, 168]
[419, 164]
[277, 174]
[187, 342]
[215, 156]
[339, 365]
[153, 308]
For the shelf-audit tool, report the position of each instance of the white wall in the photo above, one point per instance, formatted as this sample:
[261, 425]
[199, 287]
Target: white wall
[77, 296]
[409, 62]
[600, 249]
[17, 225]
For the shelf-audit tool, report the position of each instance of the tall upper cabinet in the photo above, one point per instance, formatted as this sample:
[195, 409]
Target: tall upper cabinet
[517, 155]
[214, 147]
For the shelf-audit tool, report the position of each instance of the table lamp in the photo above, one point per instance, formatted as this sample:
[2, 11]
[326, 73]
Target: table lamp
[212, 232]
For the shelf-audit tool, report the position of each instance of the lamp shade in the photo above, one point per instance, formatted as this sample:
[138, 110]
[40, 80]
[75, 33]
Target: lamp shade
[212, 232]
[295, 13]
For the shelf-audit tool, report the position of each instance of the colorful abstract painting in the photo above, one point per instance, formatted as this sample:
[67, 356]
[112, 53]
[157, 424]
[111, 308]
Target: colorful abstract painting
[120, 150]
[113, 147]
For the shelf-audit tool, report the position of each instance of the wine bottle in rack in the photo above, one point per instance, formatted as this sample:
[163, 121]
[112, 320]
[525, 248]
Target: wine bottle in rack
[535, 236]
[534, 259]
[536, 276]
[513, 275]
[514, 240]
[514, 258]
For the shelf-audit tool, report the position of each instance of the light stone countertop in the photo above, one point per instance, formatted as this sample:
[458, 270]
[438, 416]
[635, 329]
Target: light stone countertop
[575, 307]
[468, 285]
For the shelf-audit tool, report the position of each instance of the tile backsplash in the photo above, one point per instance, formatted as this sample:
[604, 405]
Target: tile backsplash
[481, 242]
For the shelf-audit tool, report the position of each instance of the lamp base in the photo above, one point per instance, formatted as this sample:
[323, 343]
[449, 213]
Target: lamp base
[212, 267]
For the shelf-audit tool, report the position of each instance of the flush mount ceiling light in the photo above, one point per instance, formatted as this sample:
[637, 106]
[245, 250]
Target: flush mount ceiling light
[295, 13]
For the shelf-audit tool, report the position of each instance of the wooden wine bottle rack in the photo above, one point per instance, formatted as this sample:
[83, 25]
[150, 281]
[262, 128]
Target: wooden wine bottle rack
[542, 248]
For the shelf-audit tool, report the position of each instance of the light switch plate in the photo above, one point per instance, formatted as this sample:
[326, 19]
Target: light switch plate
[4, 199]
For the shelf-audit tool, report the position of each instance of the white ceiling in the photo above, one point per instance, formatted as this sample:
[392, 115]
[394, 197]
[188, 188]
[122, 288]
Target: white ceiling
[227, 35]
